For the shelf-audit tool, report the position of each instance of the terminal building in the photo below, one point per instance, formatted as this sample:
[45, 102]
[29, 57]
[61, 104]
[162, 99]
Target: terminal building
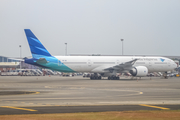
[7, 64]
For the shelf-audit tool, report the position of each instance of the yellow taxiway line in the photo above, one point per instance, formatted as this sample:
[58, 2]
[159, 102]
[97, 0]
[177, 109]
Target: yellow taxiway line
[154, 107]
[18, 108]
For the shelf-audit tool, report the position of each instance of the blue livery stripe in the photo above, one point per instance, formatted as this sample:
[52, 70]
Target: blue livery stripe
[35, 40]
[29, 33]
[35, 45]
[42, 49]
[39, 51]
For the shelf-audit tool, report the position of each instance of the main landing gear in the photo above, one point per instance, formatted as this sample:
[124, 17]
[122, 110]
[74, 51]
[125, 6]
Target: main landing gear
[165, 75]
[113, 78]
[95, 77]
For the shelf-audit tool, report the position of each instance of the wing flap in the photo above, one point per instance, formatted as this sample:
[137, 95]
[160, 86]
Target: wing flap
[123, 66]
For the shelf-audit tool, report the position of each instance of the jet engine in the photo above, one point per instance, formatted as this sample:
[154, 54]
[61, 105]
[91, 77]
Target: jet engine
[139, 71]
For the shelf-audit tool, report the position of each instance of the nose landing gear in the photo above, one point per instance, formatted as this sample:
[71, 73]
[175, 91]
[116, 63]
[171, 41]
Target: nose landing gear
[165, 75]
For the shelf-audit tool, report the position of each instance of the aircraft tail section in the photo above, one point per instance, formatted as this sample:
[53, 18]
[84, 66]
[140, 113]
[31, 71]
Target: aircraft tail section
[36, 47]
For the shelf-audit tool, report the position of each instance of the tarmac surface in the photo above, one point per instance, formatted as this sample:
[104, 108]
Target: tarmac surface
[56, 94]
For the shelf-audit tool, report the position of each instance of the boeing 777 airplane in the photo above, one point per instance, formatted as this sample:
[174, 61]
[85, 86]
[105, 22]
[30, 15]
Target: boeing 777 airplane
[106, 66]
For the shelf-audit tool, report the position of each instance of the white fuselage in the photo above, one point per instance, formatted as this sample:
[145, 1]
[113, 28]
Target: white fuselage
[99, 63]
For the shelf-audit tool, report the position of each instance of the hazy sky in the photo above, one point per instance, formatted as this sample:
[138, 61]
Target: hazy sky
[148, 27]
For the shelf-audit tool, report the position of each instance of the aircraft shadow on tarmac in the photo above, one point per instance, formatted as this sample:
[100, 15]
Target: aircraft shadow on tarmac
[123, 79]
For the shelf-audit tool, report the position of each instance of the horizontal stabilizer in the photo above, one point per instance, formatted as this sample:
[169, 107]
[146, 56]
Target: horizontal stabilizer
[42, 61]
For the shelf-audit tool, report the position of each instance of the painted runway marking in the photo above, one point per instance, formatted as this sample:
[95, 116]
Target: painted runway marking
[18, 108]
[154, 107]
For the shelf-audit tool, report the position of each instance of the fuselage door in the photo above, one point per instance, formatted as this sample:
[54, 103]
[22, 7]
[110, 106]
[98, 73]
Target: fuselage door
[169, 64]
[150, 66]
[89, 63]
[118, 62]
[59, 63]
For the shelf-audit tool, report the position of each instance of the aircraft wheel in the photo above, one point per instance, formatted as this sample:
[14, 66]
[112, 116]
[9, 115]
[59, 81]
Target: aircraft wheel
[92, 77]
[109, 78]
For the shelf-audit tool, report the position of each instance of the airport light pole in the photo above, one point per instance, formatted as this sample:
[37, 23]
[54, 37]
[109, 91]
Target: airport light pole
[122, 45]
[66, 49]
[20, 56]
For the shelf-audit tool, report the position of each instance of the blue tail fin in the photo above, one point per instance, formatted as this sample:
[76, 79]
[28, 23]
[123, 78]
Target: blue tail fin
[37, 49]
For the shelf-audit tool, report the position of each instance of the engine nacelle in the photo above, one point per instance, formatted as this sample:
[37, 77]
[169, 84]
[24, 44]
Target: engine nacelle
[139, 71]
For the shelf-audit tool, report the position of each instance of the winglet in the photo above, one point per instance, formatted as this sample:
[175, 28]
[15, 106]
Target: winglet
[37, 49]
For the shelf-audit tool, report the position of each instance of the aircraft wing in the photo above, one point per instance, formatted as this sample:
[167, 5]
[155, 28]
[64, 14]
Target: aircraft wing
[123, 66]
